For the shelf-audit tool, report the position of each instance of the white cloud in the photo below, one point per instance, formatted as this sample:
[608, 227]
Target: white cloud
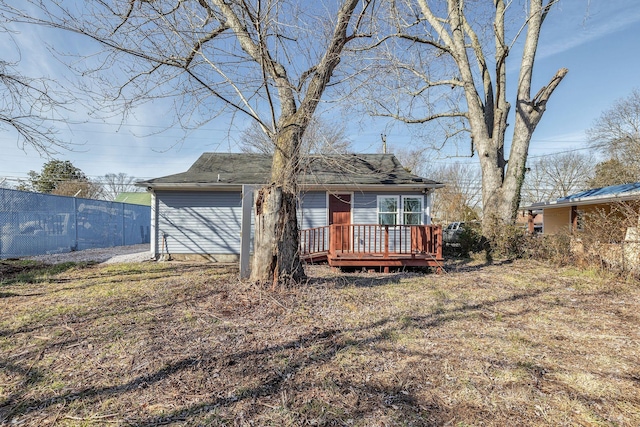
[576, 23]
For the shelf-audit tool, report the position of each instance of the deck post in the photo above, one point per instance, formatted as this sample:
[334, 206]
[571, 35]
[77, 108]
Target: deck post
[386, 241]
[332, 239]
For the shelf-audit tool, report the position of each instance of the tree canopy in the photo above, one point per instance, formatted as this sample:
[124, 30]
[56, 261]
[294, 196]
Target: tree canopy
[53, 174]
[268, 61]
[62, 178]
[448, 61]
[31, 105]
[552, 177]
[616, 134]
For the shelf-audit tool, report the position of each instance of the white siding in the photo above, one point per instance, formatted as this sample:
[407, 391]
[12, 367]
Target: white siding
[365, 209]
[313, 212]
[210, 222]
[200, 222]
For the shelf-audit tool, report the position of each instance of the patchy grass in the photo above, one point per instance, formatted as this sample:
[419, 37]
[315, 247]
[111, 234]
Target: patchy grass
[180, 344]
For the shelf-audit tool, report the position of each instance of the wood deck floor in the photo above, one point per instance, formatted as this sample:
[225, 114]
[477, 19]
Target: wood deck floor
[374, 246]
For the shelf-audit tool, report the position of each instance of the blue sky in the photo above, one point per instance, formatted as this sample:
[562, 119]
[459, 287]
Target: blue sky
[596, 41]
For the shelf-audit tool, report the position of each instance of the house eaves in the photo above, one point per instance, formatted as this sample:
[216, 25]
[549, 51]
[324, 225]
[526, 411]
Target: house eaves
[195, 186]
[596, 196]
[229, 171]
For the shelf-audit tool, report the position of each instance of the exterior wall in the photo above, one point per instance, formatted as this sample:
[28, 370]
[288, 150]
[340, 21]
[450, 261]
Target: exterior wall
[365, 206]
[313, 209]
[199, 222]
[209, 223]
[557, 220]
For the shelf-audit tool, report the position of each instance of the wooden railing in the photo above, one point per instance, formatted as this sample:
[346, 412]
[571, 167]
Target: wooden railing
[314, 240]
[373, 239]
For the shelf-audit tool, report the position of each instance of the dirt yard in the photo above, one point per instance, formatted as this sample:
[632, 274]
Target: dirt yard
[147, 344]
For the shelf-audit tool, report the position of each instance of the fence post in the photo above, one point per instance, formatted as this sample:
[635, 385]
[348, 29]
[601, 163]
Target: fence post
[2, 223]
[122, 231]
[75, 222]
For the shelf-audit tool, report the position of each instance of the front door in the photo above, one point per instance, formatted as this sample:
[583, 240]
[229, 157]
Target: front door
[340, 214]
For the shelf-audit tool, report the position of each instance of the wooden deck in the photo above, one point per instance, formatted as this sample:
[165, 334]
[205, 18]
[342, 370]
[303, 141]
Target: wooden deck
[373, 245]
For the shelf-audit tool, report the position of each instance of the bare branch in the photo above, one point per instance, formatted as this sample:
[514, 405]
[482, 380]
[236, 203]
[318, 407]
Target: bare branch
[545, 92]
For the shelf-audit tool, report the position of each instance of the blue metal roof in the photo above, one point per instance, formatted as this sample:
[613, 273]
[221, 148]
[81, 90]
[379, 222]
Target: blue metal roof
[612, 190]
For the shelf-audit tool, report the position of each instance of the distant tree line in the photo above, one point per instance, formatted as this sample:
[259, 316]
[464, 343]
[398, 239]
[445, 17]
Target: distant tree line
[62, 178]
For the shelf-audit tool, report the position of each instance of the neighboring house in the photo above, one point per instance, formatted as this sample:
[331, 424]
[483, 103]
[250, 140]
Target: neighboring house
[565, 214]
[201, 211]
[134, 198]
[524, 220]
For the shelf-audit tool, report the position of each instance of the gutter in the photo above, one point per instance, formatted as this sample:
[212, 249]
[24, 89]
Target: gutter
[207, 186]
[583, 201]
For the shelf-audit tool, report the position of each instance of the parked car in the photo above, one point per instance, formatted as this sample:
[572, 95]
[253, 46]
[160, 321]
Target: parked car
[451, 234]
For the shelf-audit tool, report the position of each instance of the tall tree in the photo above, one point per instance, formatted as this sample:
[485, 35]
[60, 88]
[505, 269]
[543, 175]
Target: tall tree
[30, 105]
[446, 48]
[612, 172]
[53, 173]
[268, 60]
[616, 134]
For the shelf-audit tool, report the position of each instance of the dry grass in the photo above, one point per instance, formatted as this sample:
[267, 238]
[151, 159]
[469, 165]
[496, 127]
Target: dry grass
[178, 344]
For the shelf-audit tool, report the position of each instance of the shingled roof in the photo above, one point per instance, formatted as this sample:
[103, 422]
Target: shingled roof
[230, 169]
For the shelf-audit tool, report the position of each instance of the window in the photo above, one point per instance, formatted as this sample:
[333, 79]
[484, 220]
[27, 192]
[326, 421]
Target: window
[405, 210]
[387, 210]
[412, 210]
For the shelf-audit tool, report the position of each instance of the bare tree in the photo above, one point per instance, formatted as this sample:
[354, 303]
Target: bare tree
[448, 48]
[30, 105]
[552, 177]
[321, 137]
[116, 183]
[414, 159]
[613, 172]
[268, 60]
[616, 133]
[84, 189]
[460, 198]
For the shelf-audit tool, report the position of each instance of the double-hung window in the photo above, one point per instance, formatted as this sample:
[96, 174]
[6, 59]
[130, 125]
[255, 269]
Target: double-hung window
[405, 210]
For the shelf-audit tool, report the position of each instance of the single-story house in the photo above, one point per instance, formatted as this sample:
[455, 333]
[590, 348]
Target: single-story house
[206, 210]
[566, 213]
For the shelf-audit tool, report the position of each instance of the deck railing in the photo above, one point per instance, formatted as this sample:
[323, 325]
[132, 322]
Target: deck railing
[372, 239]
[314, 240]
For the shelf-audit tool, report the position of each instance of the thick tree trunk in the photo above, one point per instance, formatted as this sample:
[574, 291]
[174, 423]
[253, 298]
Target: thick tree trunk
[276, 256]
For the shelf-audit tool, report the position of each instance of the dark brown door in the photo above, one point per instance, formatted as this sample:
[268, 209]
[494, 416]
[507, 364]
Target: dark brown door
[340, 214]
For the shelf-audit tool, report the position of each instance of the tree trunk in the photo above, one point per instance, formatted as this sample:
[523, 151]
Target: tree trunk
[276, 257]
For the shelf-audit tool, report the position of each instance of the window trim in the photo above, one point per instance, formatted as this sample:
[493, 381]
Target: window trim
[419, 211]
[400, 198]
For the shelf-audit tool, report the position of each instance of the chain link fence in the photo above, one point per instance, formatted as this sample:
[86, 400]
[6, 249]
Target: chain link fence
[36, 224]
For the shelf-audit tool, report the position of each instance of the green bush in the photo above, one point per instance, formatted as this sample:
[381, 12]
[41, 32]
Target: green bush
[471, 240]
[555, 248]
[507, 241]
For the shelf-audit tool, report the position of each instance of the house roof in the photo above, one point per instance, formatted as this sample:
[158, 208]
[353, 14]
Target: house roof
[135, 198]
[219, 170]
[613, 193]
